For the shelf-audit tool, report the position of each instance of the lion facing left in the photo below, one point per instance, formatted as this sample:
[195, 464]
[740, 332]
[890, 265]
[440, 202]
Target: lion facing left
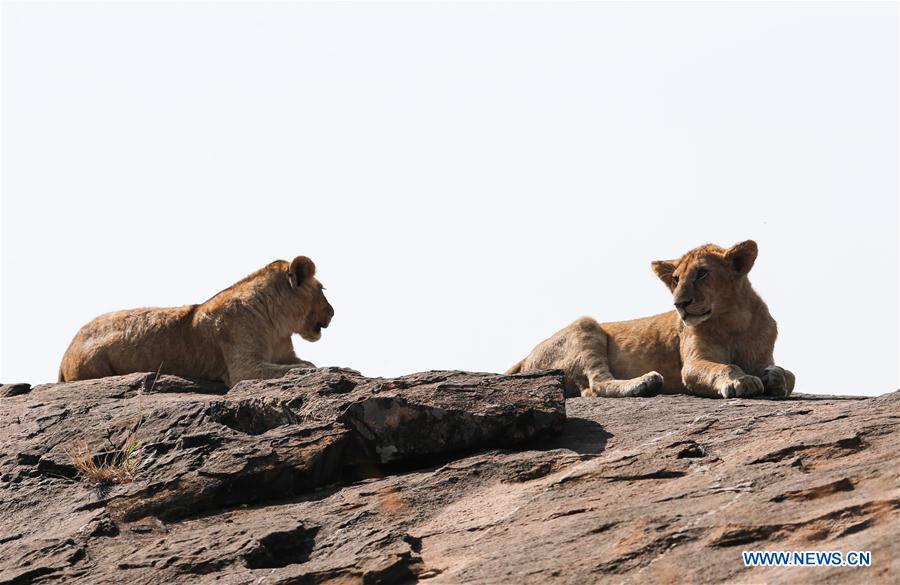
[242, 333]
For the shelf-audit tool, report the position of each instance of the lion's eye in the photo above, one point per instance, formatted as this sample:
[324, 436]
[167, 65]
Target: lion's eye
[701, 274]
[674, 280]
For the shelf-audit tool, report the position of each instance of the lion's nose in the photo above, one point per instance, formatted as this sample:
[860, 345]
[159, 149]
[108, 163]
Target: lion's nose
[683, 304]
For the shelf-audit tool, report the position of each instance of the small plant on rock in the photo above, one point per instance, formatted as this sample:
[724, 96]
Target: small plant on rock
[117, 464]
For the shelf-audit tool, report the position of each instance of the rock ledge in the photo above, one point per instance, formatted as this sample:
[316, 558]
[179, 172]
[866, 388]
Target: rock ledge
[450, 477]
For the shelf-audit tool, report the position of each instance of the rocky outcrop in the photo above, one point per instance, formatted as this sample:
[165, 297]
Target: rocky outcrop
[326, 476]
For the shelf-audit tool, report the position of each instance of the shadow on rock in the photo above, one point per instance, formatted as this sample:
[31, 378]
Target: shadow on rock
[581, 435]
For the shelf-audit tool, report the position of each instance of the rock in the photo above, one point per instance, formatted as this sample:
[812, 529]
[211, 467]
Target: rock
[14, 389]
[205, 450]
[450, 477]
[458, 413]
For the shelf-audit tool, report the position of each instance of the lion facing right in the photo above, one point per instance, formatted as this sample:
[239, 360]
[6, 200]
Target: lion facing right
[718, 342]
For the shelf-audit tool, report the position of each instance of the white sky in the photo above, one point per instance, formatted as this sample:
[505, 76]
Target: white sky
[469, 178]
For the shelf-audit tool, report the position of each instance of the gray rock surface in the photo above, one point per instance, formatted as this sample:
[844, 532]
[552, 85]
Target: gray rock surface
[325, 476]
[14, 389]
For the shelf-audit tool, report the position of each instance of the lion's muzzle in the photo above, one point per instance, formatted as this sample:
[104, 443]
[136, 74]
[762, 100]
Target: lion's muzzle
[325, 320]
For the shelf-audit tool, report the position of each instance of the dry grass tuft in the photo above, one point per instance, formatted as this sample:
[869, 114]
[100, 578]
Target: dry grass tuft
[116, 465]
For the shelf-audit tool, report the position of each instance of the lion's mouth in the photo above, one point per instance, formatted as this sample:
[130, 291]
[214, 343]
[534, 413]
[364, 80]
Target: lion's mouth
[312, 332]
[689, 317]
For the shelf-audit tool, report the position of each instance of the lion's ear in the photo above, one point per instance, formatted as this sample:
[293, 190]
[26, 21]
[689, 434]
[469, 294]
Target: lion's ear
[742, 256]
[664, 270]
[301, 269]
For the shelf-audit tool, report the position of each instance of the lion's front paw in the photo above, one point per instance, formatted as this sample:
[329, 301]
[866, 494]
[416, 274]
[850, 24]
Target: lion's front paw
[303, 365]
[743, 387]
[648, 385]
[776, 381]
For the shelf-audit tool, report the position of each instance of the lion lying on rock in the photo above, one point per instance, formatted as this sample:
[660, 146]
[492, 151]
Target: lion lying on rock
[718, 341]
[244, 332]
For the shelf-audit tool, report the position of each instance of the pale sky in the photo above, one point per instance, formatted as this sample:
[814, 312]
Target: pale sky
[469, 178]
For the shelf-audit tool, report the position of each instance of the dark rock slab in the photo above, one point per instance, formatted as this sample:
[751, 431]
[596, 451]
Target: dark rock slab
[14, 389]
[461, 413]
[207, 454]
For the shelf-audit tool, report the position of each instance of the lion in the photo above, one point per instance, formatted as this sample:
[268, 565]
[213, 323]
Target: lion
[718, 342]
[242, 333]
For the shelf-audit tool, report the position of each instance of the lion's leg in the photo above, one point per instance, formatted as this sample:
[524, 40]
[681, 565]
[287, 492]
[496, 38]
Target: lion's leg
[707, 378]
[602, 383]
[78, 366]
[283, 353]
[245, 362]
[594, 357]
[777, 381]
[257, 371]
[580, 351]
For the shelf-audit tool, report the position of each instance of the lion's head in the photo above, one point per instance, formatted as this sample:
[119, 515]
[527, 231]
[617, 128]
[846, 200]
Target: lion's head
[316, 311]
[707, 280]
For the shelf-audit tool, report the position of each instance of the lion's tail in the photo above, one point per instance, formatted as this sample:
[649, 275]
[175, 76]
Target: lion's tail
[61, 378]
[516, 368]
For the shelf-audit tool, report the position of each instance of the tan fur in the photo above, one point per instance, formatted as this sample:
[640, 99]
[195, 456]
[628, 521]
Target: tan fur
[717, 343]
[244, 332]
